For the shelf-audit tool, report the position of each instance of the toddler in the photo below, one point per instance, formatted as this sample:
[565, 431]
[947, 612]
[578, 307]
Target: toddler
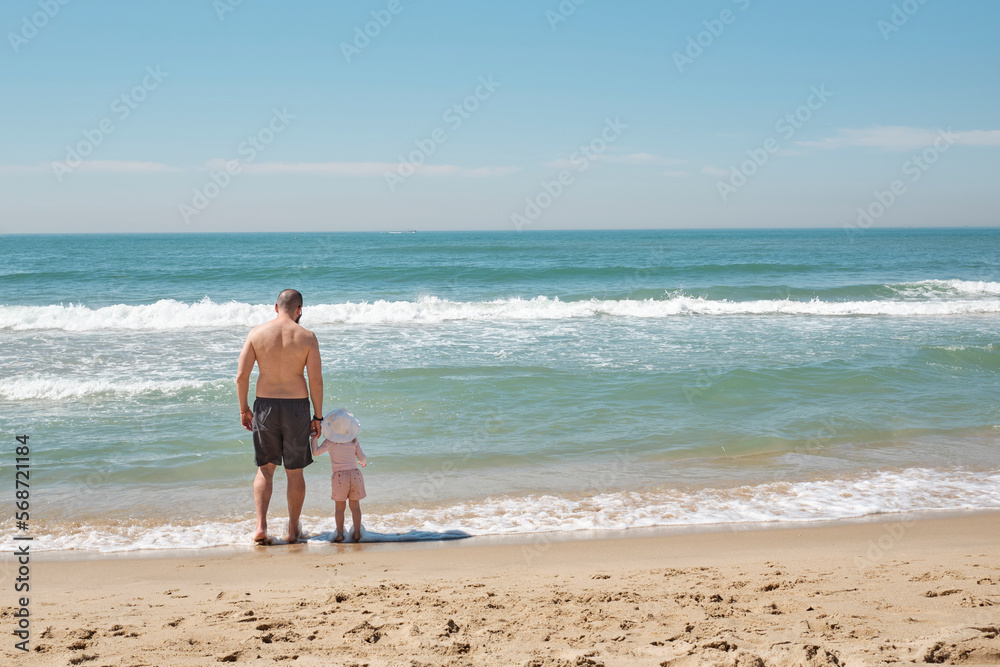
[340, 438]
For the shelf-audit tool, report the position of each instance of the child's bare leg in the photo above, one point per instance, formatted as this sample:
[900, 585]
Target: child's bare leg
[341, 506]
[356, 518]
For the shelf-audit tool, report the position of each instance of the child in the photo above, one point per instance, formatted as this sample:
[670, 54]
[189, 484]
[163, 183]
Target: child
[340, 437]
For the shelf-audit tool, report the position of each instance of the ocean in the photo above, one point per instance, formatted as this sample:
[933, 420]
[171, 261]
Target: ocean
[508, 383]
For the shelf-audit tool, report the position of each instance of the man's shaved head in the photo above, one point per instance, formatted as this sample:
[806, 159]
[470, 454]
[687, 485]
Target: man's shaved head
[289, 301]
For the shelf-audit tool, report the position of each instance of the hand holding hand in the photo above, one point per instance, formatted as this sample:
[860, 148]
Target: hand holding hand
[246, 418]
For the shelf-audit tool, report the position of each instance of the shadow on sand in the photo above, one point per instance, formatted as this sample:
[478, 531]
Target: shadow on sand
[409, 536]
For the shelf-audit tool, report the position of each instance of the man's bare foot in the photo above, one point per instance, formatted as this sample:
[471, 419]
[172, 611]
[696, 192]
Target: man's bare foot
[356, 535]
[260, 536]
[265, 541]
[339, 537]
[296, 535]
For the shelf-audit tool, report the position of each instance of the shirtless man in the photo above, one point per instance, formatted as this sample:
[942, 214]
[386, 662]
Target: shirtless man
[280, 418]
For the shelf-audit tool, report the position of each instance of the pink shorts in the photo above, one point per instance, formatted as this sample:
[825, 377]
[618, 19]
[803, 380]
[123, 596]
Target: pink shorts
[347, 485]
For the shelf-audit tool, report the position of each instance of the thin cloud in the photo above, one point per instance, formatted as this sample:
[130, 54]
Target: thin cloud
[629, 158]
[126, 166]
[980, 138]
[361, 169]
[98, 166]
[901, 138]
[714, 171]
[480, 172]
[674, 174]
[561, 163]
[24, 169]
[641, 158]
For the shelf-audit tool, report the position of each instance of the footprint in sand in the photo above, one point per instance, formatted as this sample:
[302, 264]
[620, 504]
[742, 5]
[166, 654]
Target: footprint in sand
[271, 626]
[941, 594]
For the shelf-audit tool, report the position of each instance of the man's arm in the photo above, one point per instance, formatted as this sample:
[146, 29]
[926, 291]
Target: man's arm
[247, 359]
[314, 367]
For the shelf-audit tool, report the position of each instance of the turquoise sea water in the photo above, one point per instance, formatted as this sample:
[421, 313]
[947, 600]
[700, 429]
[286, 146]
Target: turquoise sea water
[510, 382]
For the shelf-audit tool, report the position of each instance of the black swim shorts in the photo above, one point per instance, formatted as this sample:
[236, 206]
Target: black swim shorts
[281, 432]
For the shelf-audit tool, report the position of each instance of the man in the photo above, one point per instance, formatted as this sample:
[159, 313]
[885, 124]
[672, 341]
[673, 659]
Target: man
[280, 419]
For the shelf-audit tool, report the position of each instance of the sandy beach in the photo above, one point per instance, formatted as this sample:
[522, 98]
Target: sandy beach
[870, 593]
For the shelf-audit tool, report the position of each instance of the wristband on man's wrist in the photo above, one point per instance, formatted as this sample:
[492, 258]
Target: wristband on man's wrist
[317, 419]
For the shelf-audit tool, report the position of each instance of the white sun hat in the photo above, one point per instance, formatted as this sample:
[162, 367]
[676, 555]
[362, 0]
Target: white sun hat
[340, 426]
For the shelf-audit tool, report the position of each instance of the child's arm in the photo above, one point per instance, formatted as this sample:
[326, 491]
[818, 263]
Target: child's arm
[360, 454]
[320, 448]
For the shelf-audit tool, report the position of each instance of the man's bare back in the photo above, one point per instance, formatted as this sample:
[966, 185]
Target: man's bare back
[281, 350]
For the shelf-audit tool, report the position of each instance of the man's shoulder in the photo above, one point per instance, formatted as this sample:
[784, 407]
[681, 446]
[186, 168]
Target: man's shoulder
[305, 333]
[264, 333]
[258, 329]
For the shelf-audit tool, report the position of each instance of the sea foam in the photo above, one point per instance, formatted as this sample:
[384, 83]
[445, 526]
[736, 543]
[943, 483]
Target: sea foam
[62, 388]
[169, 314]
[948, 287]
[743, 507]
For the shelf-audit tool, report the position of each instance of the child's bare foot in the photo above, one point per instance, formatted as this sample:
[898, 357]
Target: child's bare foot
[339, 537]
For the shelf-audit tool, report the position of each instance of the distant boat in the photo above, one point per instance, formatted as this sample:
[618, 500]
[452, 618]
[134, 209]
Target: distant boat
[411, 231]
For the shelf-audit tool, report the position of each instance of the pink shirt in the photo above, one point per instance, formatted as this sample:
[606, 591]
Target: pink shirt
[343, 455]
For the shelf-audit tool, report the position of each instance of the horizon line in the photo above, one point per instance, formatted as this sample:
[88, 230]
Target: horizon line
[498, 230]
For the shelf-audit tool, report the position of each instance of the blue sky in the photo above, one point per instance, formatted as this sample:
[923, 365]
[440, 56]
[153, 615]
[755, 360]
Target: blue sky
[202, 115]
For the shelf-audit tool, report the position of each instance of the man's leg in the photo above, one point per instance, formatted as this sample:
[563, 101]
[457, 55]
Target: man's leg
[296, 496]
[262, 486]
